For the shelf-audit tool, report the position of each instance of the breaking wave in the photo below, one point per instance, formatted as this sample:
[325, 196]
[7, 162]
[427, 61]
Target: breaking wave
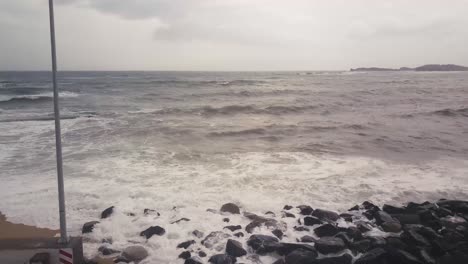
[31, 98]
[236, 109]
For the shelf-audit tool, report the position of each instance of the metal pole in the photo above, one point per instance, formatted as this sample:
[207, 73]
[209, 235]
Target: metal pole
[58, 137]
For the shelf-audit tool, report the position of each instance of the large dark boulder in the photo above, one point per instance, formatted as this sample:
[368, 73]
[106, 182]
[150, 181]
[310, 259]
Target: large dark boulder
[193, 260]
[135, 253]
[327, 245]
[301, 256]
[230, 208]
[262, 244]
[185, 255]
[305, 209]
[411, 236]
[186, 244]
[343, 259]
[361, 245]
[325, 215]
[310, 221]
[88, 227]
[408, 219]
[222, 259]
[326, 230]
[390, 209]
[234, 248]
[401, 256]
[259, 221]
[375, 256]
[456, 206]
[108, 212]
[286, 248]
[233, 227]
[154, 230]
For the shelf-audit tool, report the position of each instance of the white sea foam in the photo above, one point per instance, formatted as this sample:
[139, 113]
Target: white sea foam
[258, 182]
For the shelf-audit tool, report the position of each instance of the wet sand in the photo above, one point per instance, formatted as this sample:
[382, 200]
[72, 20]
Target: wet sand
[10, 230]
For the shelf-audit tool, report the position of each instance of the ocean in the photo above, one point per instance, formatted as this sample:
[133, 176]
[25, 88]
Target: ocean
[183, 142]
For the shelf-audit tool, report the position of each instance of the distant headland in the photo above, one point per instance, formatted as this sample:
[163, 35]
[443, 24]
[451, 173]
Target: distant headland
[427, 67]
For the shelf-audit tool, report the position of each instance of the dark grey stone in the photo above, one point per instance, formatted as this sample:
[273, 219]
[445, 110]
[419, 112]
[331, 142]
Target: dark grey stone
[327, 245]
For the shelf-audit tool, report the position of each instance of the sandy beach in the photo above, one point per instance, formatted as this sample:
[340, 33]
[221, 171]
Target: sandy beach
[10, 230]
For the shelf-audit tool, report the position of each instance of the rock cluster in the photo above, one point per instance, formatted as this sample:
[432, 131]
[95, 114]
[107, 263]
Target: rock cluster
[426, 233]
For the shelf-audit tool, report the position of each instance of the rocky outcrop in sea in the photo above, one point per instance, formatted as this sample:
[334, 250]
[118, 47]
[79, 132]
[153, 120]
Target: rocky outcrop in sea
[416, 233]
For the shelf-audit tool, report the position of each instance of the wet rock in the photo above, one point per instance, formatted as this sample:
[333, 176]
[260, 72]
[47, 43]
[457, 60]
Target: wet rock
[354, 208]
[353, 232]
[310, 221]
[121, 259]
[202, 254]
[286, 248]
[287, 214]
[407, 219]
[392, 227]
[347, 217]
[230, 208]
[239, 234]
[401, 256]
[154, 230]
[305, 209]
[287, 207]
[426, 257]
[308, 239]
[377, 241]
[396, 242]
[362, 245]
[270, 213]
[221, 259]
[233, 227]
[135, 253]
[325, 215]
[279, 261]
[226, 220]
[381, 217]
[186, 244]
[150, 212]
[301, 256]
[234, 248]
[259, 221]
[343, 259]
[370, 206]
[390, 209]
[454, 205]
[193, 260]
[263, 244]
[301, 229]
[363, 226]
[375, 256]
[278, 233]
[88, 227]
[185, 255]
[327, 245]
[197, 233]
[108, 212]
[326, 230]
[346, 239]
[107, 251]
[214, 238]
[411, 236]
[180, 220]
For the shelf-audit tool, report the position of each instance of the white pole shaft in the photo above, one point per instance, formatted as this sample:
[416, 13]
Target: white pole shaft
[58, 134]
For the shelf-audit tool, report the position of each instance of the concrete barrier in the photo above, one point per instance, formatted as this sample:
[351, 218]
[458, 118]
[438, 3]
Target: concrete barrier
[20, 251]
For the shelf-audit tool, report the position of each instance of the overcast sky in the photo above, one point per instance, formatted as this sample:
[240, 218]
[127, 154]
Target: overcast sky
[233, 34]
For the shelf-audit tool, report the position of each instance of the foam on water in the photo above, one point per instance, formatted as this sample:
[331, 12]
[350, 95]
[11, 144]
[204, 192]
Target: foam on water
[185, 140]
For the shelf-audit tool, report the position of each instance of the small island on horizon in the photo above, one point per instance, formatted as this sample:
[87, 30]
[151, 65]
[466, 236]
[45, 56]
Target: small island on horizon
[427, 67]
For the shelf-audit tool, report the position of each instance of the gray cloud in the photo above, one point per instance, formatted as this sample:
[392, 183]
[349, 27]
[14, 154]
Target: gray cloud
[237, 34]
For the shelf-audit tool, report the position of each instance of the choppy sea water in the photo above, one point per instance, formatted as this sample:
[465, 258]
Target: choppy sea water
[195, 140]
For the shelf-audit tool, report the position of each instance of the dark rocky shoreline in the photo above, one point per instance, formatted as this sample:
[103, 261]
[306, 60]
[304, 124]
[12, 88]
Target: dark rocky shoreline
[430, 232]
